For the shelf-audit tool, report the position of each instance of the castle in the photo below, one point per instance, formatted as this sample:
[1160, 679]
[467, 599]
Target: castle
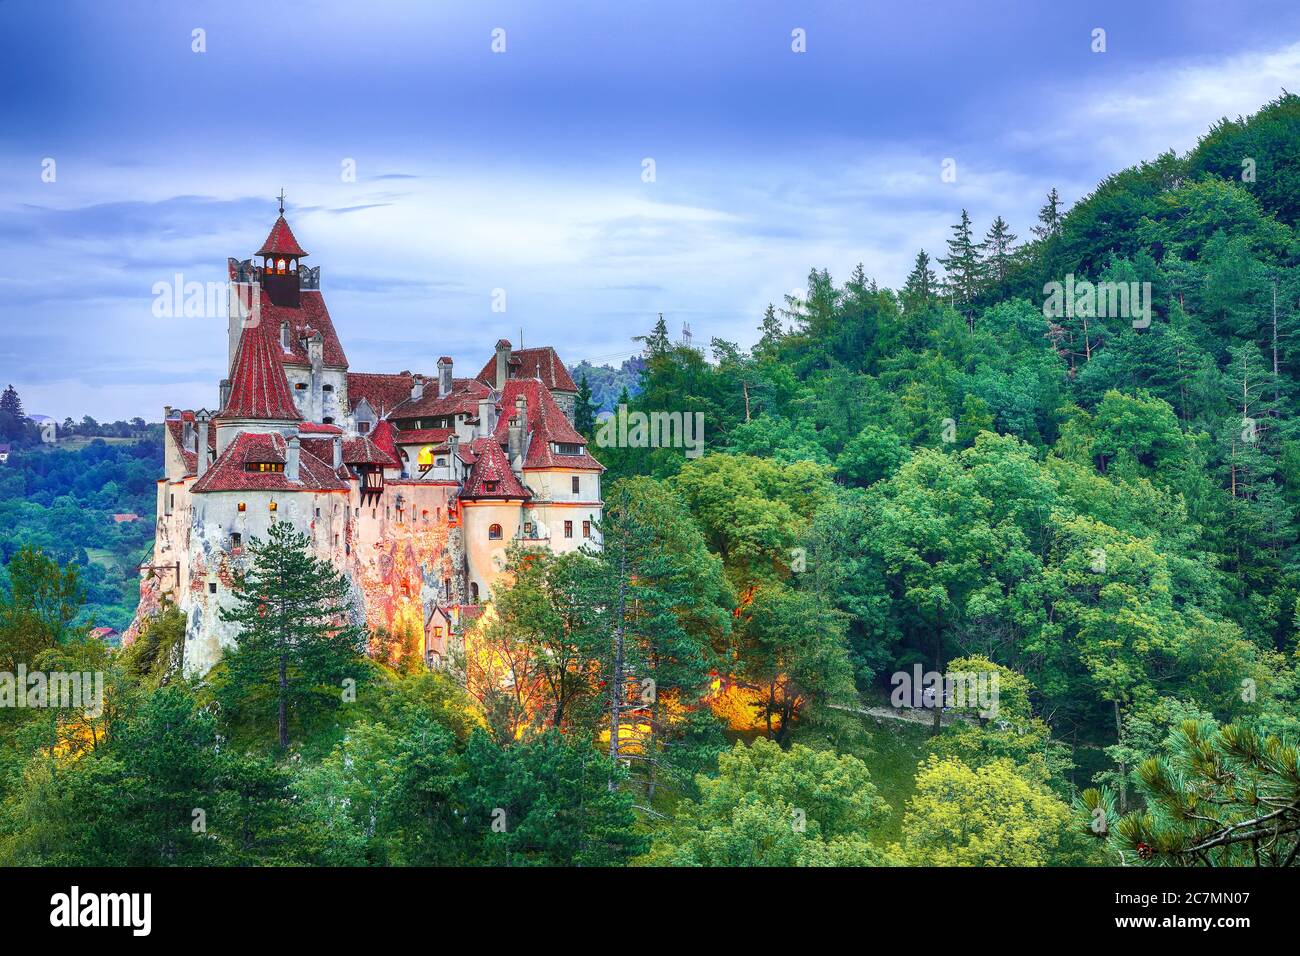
[413, 486]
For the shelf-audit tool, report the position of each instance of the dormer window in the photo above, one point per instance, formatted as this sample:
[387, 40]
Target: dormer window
[568, 448]
[264, 466]
[489, 486]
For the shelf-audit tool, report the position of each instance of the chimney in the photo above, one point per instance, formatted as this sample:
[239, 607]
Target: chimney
[417, 387]
[516, 446]
[487, 410]
[444, 376]
[224, 397]
[187, 436]
[167, 412]
[503, 363]
[292, 459]
[519, 434]
[202, 418]
[453, 453]
[338, 452]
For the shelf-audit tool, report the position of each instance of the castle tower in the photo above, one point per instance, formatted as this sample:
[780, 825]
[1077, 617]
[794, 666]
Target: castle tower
[280, 255]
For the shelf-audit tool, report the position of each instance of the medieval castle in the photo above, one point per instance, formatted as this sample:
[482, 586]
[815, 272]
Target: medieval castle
[412, 485]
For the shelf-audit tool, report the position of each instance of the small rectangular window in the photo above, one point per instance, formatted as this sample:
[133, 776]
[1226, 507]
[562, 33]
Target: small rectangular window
[586, 529]
[568, 529]
[236, 540]
[575, 484]
[212, 587]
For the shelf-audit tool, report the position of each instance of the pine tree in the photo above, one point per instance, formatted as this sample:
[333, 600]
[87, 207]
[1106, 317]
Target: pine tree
[964, 267]
[297, 644]
[584, 411]
[656, 343]
[11, 403]
[1049, 217]
[997, 252]
[922, 284]
[769, 342]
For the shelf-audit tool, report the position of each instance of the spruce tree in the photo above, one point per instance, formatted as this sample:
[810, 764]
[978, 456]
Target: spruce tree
[584, 410]
[964, 267]
[11, 403]
[922, 284]
[1049, 217]
[997, 252]
[296, 643]
[656, 343]
[773, 332]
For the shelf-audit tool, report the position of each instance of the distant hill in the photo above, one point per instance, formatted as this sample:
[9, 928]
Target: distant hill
[608, 382]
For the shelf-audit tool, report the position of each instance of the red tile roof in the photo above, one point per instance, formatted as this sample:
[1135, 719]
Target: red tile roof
[176, 426]
[363, 451]
[422, 436]
[547, 423]
[319, 428]
[258, 388]
[280, 242]
[463, 399]
[542, 363]
[229, 472]
[490, 465]
[383, 392]
[310, 316]
[382, 436]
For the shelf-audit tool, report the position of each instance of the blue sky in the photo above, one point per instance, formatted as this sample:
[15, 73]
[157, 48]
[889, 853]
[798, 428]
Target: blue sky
[522, 170]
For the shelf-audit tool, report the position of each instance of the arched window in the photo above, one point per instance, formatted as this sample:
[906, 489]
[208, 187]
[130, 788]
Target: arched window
[426, 457]
[494, 532]
[473, 592]
[280, 267]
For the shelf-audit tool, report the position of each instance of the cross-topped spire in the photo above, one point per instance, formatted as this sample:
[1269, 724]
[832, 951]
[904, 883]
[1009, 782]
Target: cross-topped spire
[281, 198]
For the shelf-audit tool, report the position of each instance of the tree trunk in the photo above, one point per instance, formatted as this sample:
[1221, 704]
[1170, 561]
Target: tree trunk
[616, 678]
[1123, 767]
[284, 714]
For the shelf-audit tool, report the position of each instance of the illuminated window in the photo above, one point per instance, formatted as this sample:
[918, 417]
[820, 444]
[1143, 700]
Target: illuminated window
[274, 506]
[568, 529]
[264, 466]
[426, 457]
[280, 267]
[586, 529]
[243, 507]
[494, 532]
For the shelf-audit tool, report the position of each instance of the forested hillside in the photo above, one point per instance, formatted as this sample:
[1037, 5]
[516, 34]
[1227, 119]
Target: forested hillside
[1091, 505]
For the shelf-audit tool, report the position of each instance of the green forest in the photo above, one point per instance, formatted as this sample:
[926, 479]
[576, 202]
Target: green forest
[1096, 506]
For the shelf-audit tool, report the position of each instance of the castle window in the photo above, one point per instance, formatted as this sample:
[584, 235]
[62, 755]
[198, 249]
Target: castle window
[424, 514]
[236, 540]
[327, 420]
[327, 388]
[568, 529]
[363, 427]
[568, 448]
[489, 486]
[280, 266]
[273, 506]
[300, 386]
[264, 466]
[528, 529]
[576, 484]
[586, 529]
[494, 533]
[473, 592]
[242, 507]
[212, 587]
